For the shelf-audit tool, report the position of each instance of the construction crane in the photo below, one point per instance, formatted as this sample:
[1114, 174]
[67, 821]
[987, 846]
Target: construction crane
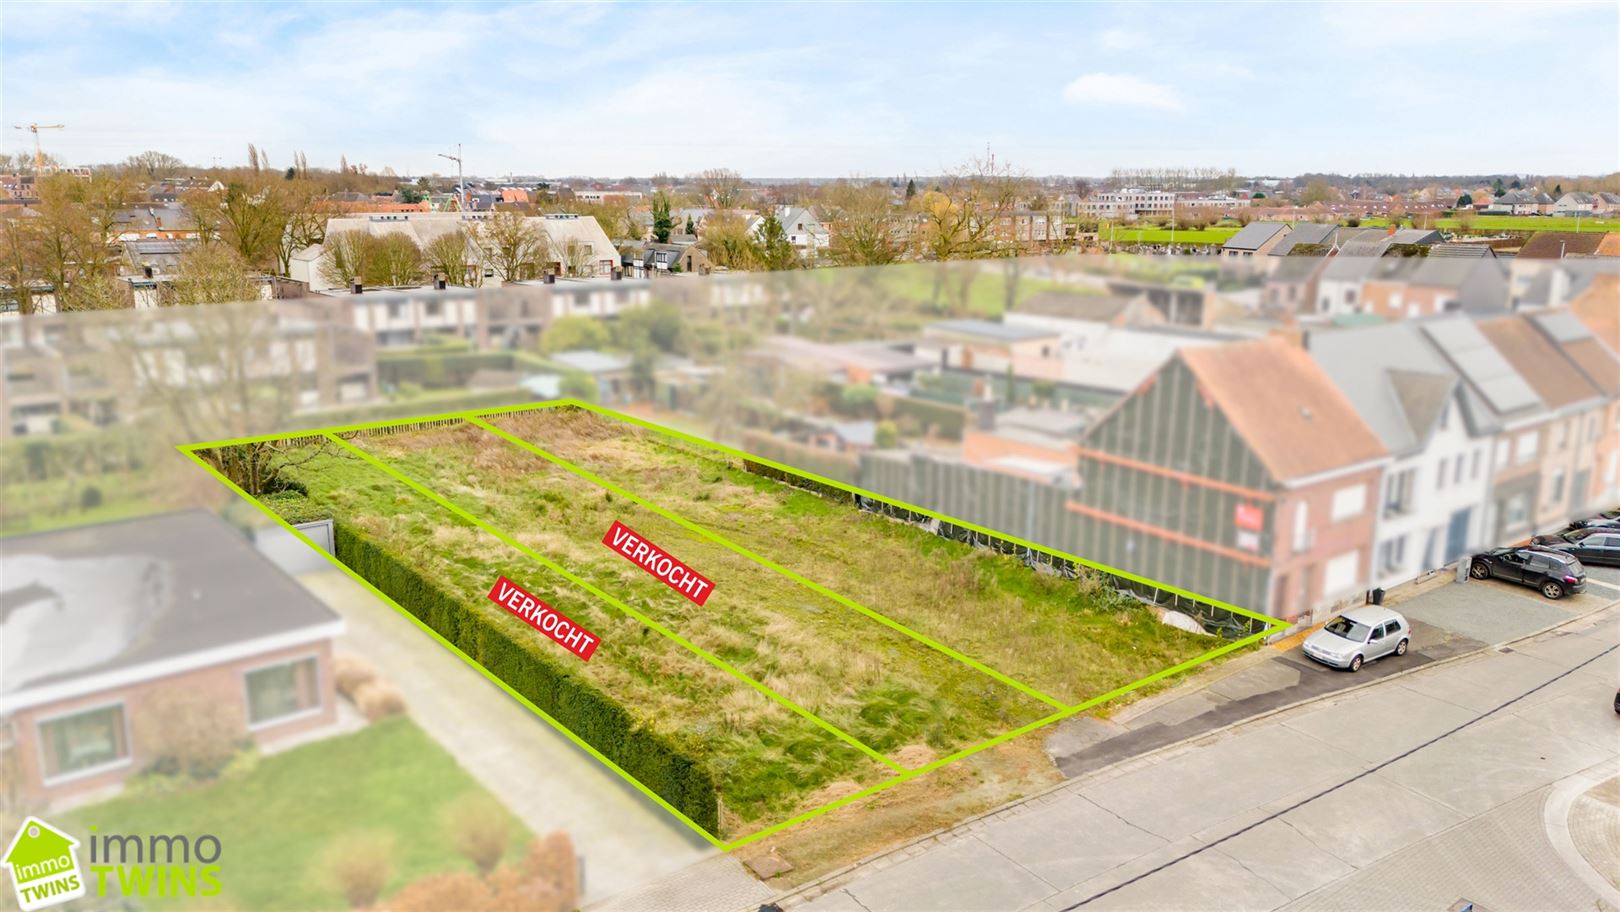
[39, 154]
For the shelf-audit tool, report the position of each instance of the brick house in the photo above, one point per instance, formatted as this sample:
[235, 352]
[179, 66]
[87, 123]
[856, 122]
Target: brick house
[99, 622]
[1239, 471]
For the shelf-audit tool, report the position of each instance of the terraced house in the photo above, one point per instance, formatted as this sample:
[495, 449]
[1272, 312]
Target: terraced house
[1240, 472]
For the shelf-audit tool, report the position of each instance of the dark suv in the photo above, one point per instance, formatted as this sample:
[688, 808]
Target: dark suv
[1554, 573]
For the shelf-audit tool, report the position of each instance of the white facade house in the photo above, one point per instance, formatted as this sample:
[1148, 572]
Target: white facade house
[1430, 505]
[575, 244]
[808, 235]
[1129, 202]
[1578, 202]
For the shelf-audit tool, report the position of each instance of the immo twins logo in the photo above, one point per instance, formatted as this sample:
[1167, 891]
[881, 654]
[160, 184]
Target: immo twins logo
[44, 865]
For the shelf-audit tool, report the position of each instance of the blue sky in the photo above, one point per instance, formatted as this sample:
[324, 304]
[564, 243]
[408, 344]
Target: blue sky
[825, 90]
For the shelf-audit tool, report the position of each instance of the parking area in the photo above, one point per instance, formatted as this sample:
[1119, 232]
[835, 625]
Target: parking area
[1447, 619]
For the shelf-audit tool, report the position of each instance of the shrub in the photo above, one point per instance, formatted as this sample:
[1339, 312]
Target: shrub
[551, 859]
[377, 701]
[90, 498]
[478, 827]
[360, 864]
[438, 892]
[651, 759]
[511, 891]
[187, 734]
[350, 673]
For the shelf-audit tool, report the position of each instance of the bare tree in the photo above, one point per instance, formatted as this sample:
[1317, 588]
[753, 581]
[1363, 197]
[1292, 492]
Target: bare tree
[153, 163]
[347, 257]
[727, 242]
[446, 255]
[721, 188]
[863, 223]
[513, 245]
[395, 260]
[254, 218]
[212, 274]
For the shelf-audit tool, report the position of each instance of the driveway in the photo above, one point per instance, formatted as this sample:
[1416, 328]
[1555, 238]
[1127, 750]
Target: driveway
[550, 784]
[1417, 792]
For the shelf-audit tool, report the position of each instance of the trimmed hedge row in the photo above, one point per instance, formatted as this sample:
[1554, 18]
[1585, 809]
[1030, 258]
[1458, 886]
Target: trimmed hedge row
[946, 420]
[674, 775]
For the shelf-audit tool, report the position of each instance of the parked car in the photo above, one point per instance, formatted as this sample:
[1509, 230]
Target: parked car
[1594, 545]
[1594, 521]
[1617, 700]
[1358, 636]
[1555, 573]
[1567, 536]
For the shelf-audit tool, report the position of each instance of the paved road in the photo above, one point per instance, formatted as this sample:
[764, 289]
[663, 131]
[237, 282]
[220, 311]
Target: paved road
[1447, 620]
[1413, 793]
[626, 840]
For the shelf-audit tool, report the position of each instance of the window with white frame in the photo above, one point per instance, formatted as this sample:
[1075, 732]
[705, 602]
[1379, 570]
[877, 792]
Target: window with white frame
[82, 742]
[1349, 502]
[1392, 554]
[1302, 527]
[282, 691]
[1339, 576]
[1524, 448]
[1501, 453]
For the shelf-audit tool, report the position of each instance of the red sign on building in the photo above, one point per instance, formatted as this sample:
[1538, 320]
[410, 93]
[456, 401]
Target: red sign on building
[1248, 516]
[658, 562]
[544, 618]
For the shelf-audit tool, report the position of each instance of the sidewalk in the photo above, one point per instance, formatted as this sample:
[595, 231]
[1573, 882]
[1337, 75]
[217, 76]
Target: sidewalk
[625, 839]
[1414, 792]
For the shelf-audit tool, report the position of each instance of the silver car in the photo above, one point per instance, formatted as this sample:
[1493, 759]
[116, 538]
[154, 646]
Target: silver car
[1359, 636]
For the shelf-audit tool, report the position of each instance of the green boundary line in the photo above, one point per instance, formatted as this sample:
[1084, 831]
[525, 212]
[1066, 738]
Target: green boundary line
[332, 559]
[582, 583]
[474, 416]
[767, 563]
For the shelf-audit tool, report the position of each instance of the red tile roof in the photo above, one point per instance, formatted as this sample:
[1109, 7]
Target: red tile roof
[1284, 407]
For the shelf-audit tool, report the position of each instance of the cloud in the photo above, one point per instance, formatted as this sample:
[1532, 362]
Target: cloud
[1122, 89]
[1118, 39]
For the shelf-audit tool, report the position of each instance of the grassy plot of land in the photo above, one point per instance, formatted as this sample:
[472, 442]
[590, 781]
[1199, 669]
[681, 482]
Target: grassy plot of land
[888, 691]
[1120, 234]
[767, 761]
[1071, 639]
[277, 825]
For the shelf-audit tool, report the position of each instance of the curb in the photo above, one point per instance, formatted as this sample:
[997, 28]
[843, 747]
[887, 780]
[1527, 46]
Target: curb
[833, 879]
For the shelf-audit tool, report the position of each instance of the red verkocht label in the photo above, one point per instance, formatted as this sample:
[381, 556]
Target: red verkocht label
[658, 562]
[544, 618]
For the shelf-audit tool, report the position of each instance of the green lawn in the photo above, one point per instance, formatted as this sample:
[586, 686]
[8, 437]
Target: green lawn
[1127, 235]
[275, 822]
[986, 288]
[1533, 223]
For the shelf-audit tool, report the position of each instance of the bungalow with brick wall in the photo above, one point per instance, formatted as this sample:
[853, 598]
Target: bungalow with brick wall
[99, 623]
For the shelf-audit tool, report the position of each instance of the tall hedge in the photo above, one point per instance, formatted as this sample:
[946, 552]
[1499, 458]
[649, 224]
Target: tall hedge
[663, 767]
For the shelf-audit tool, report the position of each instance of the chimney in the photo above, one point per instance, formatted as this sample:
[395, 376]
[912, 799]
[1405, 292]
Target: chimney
[146, 271]
[439, 282]
[618, 274]
[1391, 232]
[551, 278]
[356, 287]
[984, 414]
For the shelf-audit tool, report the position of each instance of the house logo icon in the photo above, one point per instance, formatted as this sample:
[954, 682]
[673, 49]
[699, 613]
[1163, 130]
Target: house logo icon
[44, 865]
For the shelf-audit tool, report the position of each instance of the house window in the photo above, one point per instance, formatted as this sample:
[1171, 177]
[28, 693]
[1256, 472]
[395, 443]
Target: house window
[279, 692]
[1440, 476]
[1340, 574]
[1473, 472]
[1556, 493]
[84, 742]
[1392, 554]
[1461, 464]
[1302, 527]
[1524, 449]
[1348, 502]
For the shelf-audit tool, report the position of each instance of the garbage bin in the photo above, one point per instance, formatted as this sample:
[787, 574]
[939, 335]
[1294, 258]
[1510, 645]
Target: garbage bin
[1376, 596]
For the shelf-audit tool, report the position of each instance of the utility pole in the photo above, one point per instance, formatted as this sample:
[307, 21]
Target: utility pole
[461, 182]
[39, 154]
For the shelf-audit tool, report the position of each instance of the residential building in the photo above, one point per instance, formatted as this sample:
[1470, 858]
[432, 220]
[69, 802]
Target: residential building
[1598, 309]
[1241, 472]
[999, 348]
[1576, 202]
[1563, 443]
[1035, 443]
[1129, 203]
[102, 625]
[1431, 507]
[1403, 288]
[804, 230]
[610, 372]
[1255, 239]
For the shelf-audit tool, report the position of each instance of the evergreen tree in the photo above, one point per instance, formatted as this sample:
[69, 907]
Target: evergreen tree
[662, 223]
[691, 227]
[911, 188]
[773, 250]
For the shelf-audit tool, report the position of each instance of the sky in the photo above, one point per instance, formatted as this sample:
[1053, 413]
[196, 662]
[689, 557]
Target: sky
[824, 90]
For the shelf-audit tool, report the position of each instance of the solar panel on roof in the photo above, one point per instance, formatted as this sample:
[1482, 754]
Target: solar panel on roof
[1563, 327]
[1482, 364]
